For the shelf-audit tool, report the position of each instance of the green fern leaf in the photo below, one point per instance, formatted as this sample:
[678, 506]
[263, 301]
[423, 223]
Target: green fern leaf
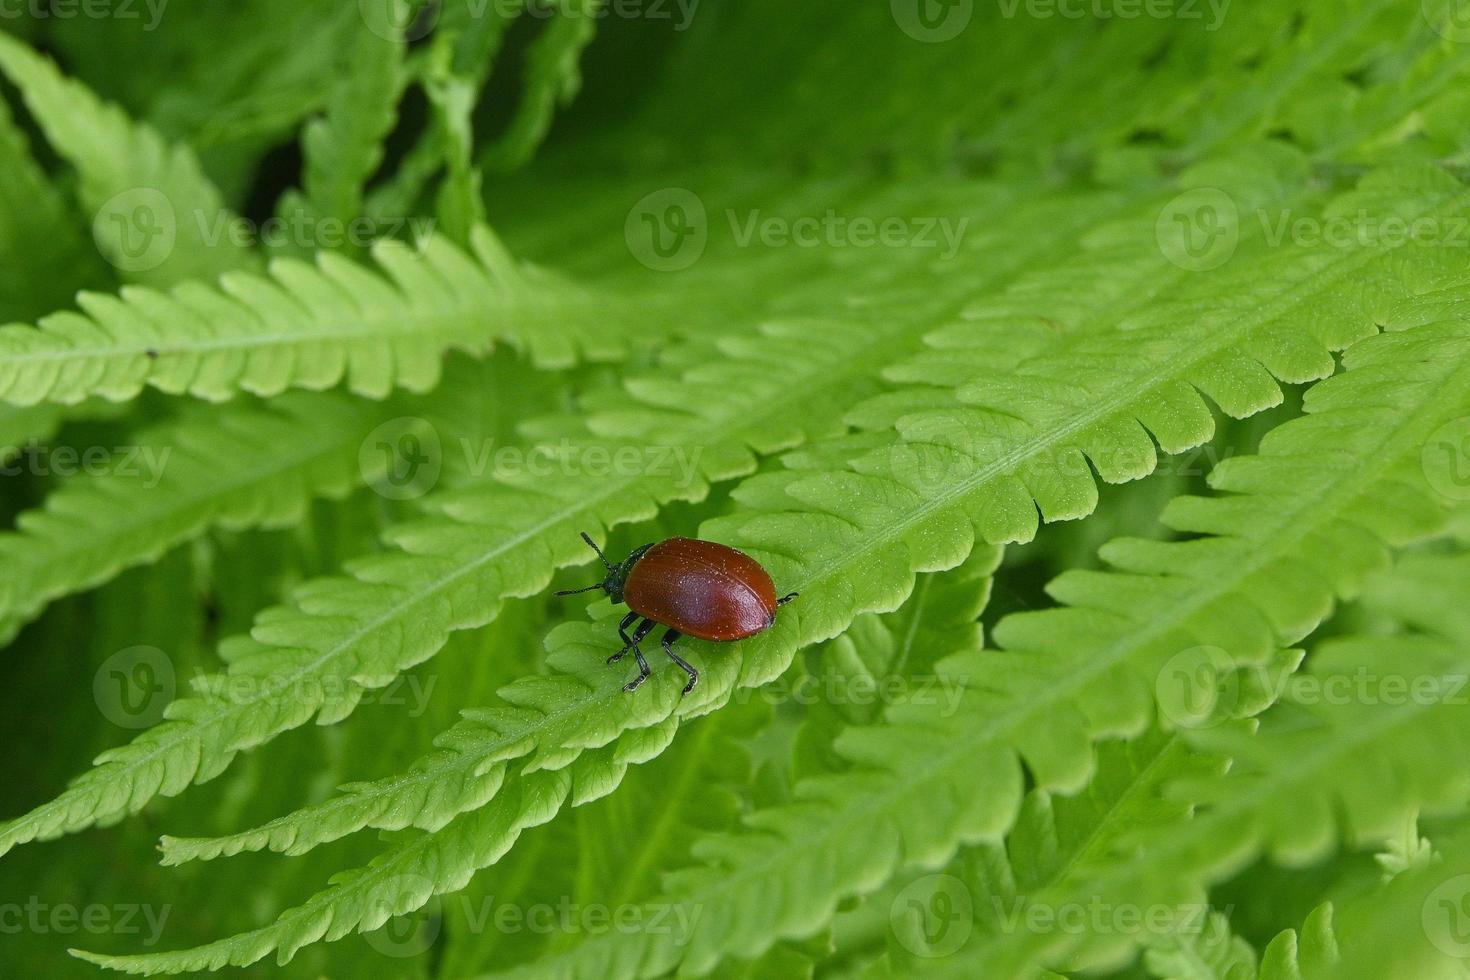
[864, 559]
[1311, 774]
[552, 78]
[1409, 927]
[462, 776]
[305, 326]
[1312, 954]
[42, 258]
[226, 469]
[344, 148]
[1223, 590]
[492, 543]
[1213, 953]
[1218, 954]
[461, 203]
[761, 386]
[781, 369]
[156, 214]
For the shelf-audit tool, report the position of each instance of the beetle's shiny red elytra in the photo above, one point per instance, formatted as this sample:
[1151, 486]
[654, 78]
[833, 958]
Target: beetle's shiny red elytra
[706, 590]
[702, 589]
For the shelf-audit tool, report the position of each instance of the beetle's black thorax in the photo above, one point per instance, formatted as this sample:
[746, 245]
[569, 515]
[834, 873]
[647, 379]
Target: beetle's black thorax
[617, 578]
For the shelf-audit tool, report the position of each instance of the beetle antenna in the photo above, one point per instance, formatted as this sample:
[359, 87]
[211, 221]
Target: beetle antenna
[575, 591]
[593, 545]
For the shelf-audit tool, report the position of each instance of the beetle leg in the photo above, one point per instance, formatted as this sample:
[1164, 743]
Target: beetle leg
[644, 628]
[623, 632]
[787, 598]
[668, 642]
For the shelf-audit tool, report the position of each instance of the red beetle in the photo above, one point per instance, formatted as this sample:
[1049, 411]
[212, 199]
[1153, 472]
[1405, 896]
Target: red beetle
[699, 588]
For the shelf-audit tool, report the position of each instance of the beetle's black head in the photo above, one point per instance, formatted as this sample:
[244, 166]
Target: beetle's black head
[617, 575]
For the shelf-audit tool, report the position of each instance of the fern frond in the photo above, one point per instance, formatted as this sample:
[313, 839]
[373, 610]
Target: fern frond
[462, 775]
[473, 37]
[344, 148]
[552, 78]
[851, 542]
[1404, 850]
[1314, 773]
[247, 465]
[895, 651]
[494, 542]
[43, 261]
[1226, 590]
[615, 849]
[1409, 927]
[1341, 749]
[1313, 953]
[1055, 837]
[461, 203]
[1213, 953]
[309, 326]
[1092, 92]
[504, 538]
[1218, 954]
[790, 364]
[139, 187]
